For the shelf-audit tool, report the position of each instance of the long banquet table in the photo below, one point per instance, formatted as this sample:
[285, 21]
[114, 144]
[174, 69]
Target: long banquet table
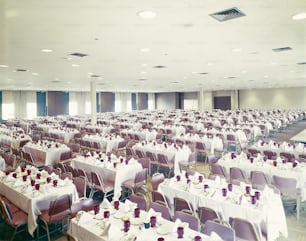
[267, 214]
[106, 169]
[87, 226]
[49, 152]
[31, 201]
[267, 167]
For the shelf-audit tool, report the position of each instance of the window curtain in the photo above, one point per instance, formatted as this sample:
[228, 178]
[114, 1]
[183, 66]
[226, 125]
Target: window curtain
[80, 99]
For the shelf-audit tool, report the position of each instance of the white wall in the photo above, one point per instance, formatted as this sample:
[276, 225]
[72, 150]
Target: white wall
[165, 101]
[286, 98]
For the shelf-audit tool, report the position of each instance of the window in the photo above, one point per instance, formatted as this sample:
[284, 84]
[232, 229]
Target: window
[73, 108]
[31, 110]
[8, 111]
[87, 108]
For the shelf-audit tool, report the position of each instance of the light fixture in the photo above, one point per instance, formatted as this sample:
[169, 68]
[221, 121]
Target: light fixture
[75, 65]
[236, 50]
[146, 14]
[143, 72]
[35, 74]
[299, 16]
[46, 50]
[144, 65]
[3, 66]
[145, 50]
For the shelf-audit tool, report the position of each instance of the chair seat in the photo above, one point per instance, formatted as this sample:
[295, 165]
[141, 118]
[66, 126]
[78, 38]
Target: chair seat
[47, 218]
[82, 204]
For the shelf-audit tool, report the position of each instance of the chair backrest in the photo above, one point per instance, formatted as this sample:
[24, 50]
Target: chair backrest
[60, 207]
[71, 237]
[192, 221]
[151, 156]
[245, 230]
[157, 178]
[216, 169]
[164, 210]
[65, 155]
[162, 159]
[66, 175]
[97, 181]
[139, 200]
[237, 173]
[160, 198]
[259, 180]
[225, 232]
[140, 154]
[6, 212]
[181, 204]
[206, 213]
[141, 177]
[286, 185]
[80, 184]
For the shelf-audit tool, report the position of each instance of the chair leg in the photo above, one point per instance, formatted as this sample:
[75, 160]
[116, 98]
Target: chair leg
[14, 233]
[298, 207]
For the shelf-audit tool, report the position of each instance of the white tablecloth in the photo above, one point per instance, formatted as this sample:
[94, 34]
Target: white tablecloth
[50, 155]
[106, 170]
[91, 227]
[284, 170]
[268, 213]
[31, 201]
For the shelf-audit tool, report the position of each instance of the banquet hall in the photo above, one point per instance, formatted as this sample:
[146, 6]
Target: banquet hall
[131, 120]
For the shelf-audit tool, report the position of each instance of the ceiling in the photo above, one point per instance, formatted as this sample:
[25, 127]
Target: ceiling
[189, 49]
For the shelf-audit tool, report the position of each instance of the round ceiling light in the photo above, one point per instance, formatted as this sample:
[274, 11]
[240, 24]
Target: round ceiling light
[146, 14]
[299, 16]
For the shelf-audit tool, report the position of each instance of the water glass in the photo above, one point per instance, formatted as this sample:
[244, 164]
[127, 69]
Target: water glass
[116, 204]
[180, 232]
[153, 221]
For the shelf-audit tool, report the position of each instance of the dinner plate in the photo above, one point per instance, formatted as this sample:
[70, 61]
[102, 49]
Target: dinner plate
[99, 216]
[136, 221]
[164, 229]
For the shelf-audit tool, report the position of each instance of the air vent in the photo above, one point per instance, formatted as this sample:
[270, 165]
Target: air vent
[21, 70]
[227, 14]
[55, 81]
[301, 63]
[95, 76]
[203, 73]
[79, 55]
[282, 49]
[159, 66]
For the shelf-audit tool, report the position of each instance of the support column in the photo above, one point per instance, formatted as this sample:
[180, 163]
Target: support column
[93, 87]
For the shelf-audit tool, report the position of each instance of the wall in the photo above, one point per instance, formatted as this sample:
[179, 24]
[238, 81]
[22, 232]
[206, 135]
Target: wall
[285, 98]
[58, 102]
[166, 101]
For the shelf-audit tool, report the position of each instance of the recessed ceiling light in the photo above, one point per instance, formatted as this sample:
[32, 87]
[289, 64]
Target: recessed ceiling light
[299, 16]
[75, 65]
[143, 72]
[46, 50]
[145, 50]
[194, 72]
[209, 64]
[146, 14]
[3, 66]
[236, 50]
[35, 74]
[144, 65]
[266, 76]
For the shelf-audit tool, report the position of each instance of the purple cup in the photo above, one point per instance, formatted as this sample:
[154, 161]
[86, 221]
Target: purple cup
[106, 214]
[37, 186]
[14, 175]
[38, 175]
[200, 178]
[230, 187]
[247, 189]
[178, 178]
[22, 169]
[116, 204]
[224, 192]
[294, 164]
[126, 161]
[206, 187]
[275, 163]
[32, 182]
[55, 183]
[29, 171]
[96, 209]
[24, 178]
[126, 225]
[253, 199]
[160, 239]
[257, 194]
[136, 212]
[197, 238]
[186, 175]
[115, 164]
[180, 232]
[48, 179]
[153, 221]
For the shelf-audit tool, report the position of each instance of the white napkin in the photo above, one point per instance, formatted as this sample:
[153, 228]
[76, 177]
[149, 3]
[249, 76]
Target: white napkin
[18, 169]
[128, 205]
[106, 204]
[104, 234]
[179, 223]
[85, 218]
[215, 237]
[9, 178]
[27, 189]
[18, 183]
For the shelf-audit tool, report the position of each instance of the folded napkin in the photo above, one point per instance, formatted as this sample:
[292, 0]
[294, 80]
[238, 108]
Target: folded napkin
[106, 204]
[2, 174]
[9, 178]
[129, 206]
[27, 189]
[215, 237]
[18, 169]
[179, 223]
[85, 218]
[104, 235]
[18, 183]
